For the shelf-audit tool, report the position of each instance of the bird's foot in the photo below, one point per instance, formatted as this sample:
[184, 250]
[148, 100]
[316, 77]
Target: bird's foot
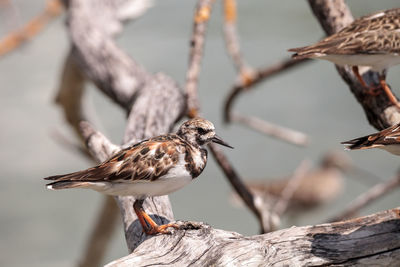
[161, 229]
[374, 90]
[179, 225]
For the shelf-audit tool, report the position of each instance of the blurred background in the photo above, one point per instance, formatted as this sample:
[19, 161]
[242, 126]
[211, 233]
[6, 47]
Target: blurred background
[45, 228]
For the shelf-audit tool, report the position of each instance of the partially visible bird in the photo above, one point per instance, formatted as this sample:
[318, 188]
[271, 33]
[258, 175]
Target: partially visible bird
[154, 167]
[372, 41]
[387, 139]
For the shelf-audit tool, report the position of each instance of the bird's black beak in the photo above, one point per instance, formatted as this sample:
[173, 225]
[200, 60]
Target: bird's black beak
[218, 140]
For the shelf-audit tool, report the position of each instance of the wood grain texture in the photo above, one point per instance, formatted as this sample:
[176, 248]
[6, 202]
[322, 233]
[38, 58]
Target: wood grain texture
[372, 240]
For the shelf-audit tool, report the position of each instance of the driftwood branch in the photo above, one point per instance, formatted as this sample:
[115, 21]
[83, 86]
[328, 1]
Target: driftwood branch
[202, 14]
[372, 240]
[154, 103]
[367, 197]
[123, 80]
[333, 15]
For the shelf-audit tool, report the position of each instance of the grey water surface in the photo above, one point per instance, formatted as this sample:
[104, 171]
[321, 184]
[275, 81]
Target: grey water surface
[45, 228]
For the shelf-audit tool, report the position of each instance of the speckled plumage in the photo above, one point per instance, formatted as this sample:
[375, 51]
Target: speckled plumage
[154, 167]
[377, 33]
[372, 41]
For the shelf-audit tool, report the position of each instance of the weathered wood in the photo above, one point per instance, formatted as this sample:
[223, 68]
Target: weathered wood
[159, 102]
[372, 240]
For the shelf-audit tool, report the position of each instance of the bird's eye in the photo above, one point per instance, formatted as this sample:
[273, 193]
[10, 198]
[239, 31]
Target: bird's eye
[201, 130]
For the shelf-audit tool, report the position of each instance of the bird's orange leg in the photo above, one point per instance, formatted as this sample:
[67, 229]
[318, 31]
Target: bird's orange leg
[148, 225]
[389, 93]
[371, 90]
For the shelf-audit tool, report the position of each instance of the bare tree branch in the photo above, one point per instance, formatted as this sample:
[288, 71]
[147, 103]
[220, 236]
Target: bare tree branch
[372, 240]
[281, 204]
[201, 17]
[31, 29]
[202, 14]
[366, 198]
[101, 234]
[92, 26]
[246, 73]
[259, 76]
[279, 132]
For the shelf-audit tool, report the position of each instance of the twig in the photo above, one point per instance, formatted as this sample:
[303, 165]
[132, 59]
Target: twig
[273, 130]
[201, 17]
[68, 144]
[32, 28]
[259, 75]
[101, 234]
[202, 14]
[366, 198]
[69, 97]
[246, 73]
[70, 94]
[237, 183]
[282, 203]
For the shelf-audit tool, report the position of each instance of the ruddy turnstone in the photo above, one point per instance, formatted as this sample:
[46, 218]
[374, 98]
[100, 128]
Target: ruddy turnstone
[372, 41]
[387, 139]
[154, 167]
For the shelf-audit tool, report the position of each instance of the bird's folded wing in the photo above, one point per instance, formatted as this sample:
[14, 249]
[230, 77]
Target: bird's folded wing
[144, 161]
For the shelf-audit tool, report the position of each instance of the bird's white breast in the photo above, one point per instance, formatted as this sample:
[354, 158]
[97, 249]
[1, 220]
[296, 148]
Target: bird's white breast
[377, 62]
[394, 149]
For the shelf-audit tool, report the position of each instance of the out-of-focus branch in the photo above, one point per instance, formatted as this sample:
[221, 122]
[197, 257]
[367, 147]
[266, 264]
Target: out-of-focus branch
[366, 198]
[101, 234]
[231, 37]
[258, 76]
[202, 14]
[333, 15]
[201, 17]
[31, 29]
[157, 100]
[279, 132]
[70, 93]
[69, 97]
[281, 204]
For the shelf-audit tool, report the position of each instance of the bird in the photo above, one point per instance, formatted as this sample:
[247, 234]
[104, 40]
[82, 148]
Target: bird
[153, 167]
[372, 41]
[387, 139]
[318, 186]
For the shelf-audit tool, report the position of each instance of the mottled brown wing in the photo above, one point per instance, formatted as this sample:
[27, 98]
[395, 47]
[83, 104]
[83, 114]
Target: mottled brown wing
[147, 160]
[370, 34]
[378, 21]
[388, 136]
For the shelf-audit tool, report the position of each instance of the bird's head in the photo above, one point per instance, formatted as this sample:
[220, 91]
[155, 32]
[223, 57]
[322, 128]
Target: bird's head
[200, 131]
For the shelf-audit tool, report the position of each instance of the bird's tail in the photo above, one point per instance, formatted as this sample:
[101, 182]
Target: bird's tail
[71, 180]
[301, 52]
[66, 184]
[360, 143]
